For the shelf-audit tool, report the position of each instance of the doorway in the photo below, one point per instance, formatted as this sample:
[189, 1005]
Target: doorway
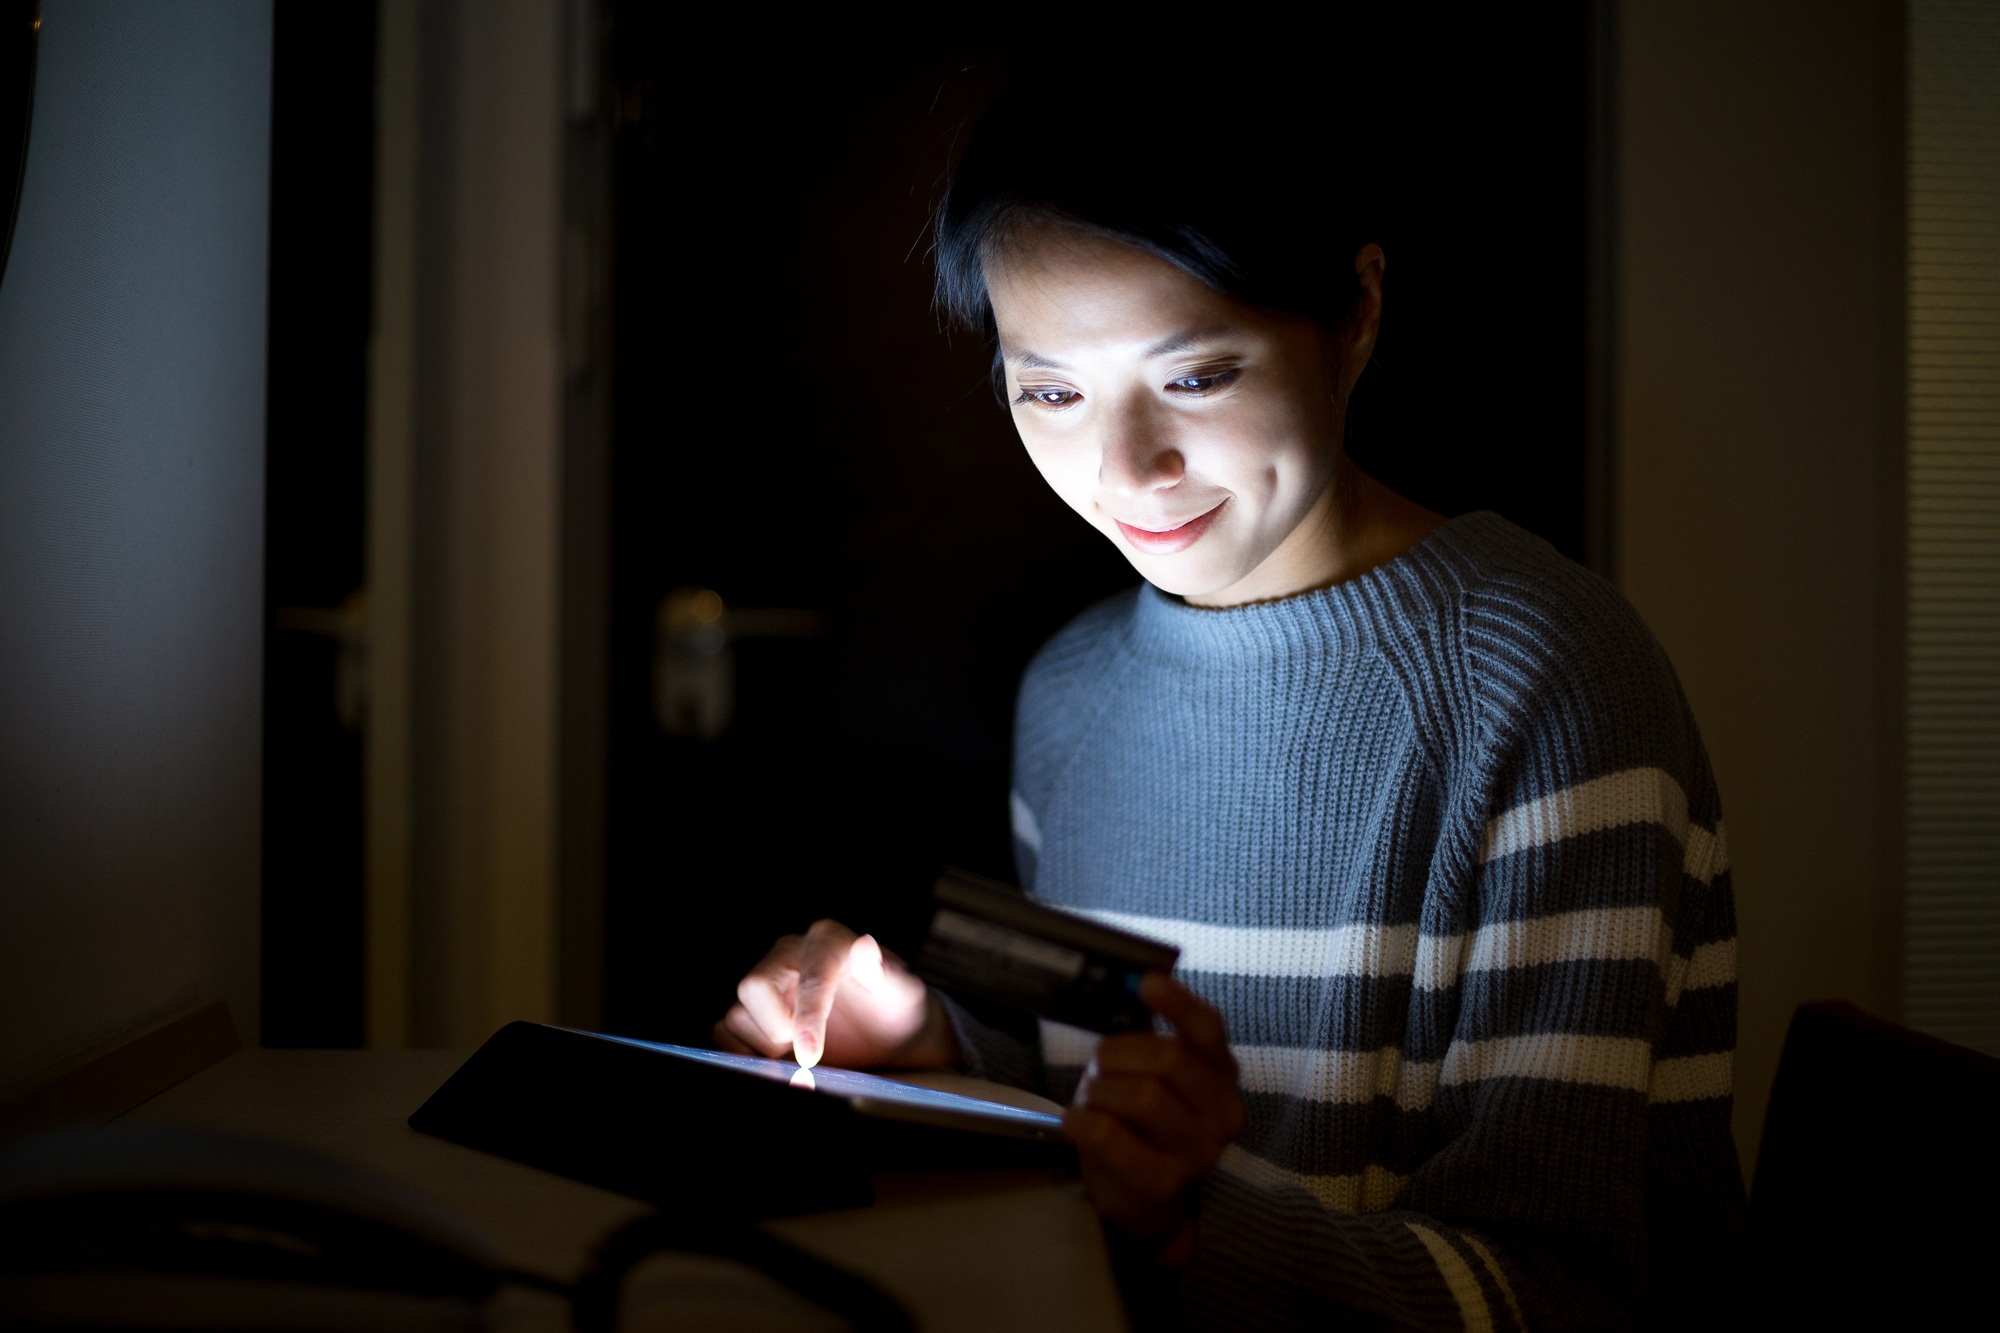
[322, 175]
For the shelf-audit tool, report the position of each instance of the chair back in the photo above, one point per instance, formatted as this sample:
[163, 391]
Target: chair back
[1877, 1179]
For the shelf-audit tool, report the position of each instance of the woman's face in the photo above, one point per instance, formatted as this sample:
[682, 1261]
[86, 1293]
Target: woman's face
[1199, 434]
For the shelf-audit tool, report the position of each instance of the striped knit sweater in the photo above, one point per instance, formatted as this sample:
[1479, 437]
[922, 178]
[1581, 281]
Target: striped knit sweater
[1442, 844]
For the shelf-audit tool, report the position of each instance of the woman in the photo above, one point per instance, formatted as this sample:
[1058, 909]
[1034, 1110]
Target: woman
[1420, 801]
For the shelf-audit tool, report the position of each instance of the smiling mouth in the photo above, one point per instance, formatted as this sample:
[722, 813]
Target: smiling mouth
[1170, 540]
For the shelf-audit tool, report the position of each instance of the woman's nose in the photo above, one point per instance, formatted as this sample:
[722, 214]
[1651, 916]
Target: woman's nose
[1137, 457]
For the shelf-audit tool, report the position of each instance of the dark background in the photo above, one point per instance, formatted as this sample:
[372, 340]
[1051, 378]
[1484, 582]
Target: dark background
[792, 429]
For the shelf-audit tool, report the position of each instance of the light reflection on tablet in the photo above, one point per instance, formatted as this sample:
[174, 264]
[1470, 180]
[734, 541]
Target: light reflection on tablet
[847, 1083]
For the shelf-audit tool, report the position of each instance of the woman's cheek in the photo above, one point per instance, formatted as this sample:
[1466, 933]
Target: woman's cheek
[1070, 471]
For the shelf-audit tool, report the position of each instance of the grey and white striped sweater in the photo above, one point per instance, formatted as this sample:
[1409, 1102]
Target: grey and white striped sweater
[1443, 845]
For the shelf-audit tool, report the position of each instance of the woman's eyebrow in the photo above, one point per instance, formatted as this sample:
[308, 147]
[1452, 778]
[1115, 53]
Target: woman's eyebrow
[1184, 341]
[1187, 340]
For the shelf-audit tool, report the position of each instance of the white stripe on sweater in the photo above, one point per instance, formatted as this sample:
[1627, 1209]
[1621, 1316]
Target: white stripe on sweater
[1711, 965]
[1635, 796]
[1458, 1277]
[1357, 1077]
[1307, 1073]
[1367, 1191]
[1692, 1078]
[1436, 961]
[1707, 853]
[1499, 1277]
[1440, 961]
[1609, 933]
[1274, 951]
[1561, 1057]
[1337, 1076]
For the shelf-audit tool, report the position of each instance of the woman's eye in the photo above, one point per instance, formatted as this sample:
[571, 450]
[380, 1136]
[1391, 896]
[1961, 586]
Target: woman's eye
[1048, 397]
[1198, 385]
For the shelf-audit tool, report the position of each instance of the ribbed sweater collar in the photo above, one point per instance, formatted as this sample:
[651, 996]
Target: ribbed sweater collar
[1399, 597]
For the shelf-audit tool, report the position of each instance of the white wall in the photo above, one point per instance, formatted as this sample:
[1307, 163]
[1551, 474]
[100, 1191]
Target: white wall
[1760, 345]
[131, 526]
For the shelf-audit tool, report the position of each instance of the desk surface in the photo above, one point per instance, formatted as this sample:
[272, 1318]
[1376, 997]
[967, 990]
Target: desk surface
[966, 1250]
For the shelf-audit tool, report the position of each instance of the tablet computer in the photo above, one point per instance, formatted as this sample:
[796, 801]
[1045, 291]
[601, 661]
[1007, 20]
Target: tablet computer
[877, 1097]
[725, 1134]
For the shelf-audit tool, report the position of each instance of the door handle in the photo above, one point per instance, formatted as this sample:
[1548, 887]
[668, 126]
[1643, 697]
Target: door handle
[694, 665]
[346, 625]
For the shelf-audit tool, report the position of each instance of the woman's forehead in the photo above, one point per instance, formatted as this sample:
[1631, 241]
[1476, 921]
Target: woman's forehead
[1072, 292]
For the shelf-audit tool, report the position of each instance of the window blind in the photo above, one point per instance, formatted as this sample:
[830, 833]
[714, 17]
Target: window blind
[1952, 923]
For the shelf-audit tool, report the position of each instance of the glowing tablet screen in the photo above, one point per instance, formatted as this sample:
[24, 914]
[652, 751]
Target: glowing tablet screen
[848, 1083]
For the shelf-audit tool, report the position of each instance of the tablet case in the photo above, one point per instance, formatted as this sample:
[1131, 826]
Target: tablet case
[682, 1134]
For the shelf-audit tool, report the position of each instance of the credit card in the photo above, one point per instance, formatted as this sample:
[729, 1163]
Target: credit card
[992, 941]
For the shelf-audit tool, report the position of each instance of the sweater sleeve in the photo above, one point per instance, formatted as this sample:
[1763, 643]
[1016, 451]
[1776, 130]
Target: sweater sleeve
[1568, 1082]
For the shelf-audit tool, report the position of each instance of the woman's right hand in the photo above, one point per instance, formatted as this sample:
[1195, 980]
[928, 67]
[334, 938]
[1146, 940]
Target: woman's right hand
[832, 995]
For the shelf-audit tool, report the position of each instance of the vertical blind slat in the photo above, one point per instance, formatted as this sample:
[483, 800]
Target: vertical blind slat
[1952, 935]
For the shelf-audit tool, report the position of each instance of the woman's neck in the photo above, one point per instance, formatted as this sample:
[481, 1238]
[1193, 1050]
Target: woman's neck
[1356, 524]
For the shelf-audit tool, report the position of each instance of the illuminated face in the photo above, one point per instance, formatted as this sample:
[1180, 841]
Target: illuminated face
[1199, 434]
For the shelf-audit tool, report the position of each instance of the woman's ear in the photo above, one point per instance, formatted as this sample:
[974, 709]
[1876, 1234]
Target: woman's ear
[1358, 340]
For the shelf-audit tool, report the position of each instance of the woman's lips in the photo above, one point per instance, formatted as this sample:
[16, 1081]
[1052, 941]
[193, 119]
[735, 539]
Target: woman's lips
[1172, 539]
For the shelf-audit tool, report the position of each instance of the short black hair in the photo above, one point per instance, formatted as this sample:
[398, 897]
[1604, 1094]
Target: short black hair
[1239, 173]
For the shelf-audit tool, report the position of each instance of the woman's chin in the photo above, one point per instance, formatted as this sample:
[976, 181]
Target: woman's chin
[1187, 576]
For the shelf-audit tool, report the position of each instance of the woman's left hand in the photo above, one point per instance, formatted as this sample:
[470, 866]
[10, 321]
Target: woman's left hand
[1152, 1116]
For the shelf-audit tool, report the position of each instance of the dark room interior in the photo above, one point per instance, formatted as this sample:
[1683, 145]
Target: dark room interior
[499, 533]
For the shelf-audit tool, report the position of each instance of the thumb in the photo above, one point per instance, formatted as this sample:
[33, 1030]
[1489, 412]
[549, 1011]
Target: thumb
[864, 963]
